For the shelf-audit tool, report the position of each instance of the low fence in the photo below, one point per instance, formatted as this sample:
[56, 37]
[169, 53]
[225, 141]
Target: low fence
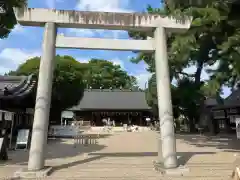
[86, 139]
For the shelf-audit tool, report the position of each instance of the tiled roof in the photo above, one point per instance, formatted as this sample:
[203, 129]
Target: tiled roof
[211, 102]
[112, 100]
[15, 86]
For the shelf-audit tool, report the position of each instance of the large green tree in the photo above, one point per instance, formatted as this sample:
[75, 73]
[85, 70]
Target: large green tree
[68, 84]
[228, 70]
[212, 28]
[71, 77]
[8, 19]
[105, 74]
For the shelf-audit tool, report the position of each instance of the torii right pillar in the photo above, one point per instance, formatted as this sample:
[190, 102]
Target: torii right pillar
[167, 150]
[167, 154]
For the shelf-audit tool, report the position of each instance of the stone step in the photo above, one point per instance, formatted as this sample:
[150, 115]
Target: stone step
[119, 171]
[127, 178]
[111, 168]
[141, 172]
[131, 178]
[101, 171]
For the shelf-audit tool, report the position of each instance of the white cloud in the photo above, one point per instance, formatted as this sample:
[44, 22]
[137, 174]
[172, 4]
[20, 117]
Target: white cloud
[4, 70]
[103, 5]
[11, 58]
[116, 34]
[115, 61]
[119, 62]
[226, 91]
[17, 55]
[80, 32]
[142, 79]
[18, 29]
[83, 60]
[90, 33]
[204, 75]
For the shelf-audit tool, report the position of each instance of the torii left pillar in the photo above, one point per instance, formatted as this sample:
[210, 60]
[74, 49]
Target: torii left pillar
[43, 100]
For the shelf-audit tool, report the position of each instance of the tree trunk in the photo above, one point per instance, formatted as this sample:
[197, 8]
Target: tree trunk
[192, 127]
[55, 116]
[195, 115]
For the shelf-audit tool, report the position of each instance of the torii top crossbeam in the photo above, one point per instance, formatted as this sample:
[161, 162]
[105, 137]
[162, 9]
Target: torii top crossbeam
[99, 20]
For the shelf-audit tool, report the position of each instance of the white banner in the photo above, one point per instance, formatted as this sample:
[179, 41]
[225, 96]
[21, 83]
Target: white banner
[1, 143]
[22, 137]
[8, 116]
[238, 127]
[67, 114]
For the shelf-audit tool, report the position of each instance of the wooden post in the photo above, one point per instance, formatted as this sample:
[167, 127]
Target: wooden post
[140, 118]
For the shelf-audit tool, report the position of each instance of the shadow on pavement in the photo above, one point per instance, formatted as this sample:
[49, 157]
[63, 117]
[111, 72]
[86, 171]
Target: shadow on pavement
[183, 157]
[125, 154]
[75, 163]
[227, 143]
[54, 149]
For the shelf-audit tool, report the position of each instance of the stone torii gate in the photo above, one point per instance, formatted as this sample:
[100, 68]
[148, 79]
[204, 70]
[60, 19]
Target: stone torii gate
[52, 19]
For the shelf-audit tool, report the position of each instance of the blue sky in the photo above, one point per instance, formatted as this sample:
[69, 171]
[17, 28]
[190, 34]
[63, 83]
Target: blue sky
[25, 42]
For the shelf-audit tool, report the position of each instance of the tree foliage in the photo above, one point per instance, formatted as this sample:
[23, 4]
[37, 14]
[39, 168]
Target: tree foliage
[212, 41]
[71, 77]
[8, 20]
[68, 84]
[105, 74]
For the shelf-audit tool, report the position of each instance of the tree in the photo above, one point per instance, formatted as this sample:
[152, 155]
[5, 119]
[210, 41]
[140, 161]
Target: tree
[8, 19]
[222, 39]
[105, 74]
[212, 25]
[228, 71]
[68, 86]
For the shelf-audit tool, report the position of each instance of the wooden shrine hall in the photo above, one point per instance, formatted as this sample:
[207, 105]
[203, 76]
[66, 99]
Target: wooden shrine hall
[122, 106]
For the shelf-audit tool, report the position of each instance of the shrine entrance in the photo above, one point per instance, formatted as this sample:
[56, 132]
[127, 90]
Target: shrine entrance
[119, 118]
[156, 43]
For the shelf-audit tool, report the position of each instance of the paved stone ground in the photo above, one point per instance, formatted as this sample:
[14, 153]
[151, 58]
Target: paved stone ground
[130, 156]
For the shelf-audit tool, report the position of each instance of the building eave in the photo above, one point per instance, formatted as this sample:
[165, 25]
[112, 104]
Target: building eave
[15, 87]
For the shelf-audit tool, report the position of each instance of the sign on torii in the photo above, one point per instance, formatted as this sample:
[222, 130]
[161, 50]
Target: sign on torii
[52, 19]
